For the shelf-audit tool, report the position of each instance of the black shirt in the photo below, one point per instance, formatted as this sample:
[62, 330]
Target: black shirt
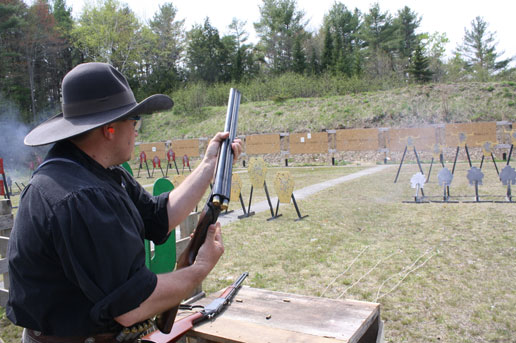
[76, 253]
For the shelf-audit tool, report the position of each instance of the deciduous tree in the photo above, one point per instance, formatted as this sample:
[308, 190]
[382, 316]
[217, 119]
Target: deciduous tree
[109, 32]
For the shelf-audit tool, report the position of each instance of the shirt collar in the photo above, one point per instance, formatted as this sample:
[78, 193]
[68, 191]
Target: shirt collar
[66, 149]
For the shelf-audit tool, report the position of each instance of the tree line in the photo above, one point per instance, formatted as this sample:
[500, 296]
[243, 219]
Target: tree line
[41, 42]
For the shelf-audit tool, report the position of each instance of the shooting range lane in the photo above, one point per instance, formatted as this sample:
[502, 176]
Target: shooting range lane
[304, 192]
[258, 315]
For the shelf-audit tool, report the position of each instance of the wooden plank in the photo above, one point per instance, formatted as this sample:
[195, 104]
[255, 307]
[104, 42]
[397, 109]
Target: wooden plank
[189, 147]
[5, 232]
[293, 318]
[357, 140]
[4, 270]
[3, 245]
[6, 221]
[5, 206]
[423, 138]
[181, 246]
[154, 149]
[188, 225]
[4, 295]
[3, 265]
[476, 134]
[308, 143]
[236, 331]
[262, 144]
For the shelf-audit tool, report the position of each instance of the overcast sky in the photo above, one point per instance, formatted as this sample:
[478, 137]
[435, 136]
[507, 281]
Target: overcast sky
[444, 16]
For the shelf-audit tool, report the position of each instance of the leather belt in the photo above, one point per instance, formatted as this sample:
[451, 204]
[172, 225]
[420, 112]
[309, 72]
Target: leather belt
[31, 336]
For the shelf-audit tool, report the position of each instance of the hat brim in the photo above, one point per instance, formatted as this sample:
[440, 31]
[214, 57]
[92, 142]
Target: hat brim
[58, 127]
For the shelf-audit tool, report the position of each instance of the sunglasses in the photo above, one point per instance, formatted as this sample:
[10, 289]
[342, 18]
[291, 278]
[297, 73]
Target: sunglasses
[137, 123]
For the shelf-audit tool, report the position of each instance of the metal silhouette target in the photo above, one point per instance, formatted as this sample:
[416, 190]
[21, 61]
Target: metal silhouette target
[236, 187]
[284, 186]
[257, 171]
[178, 179]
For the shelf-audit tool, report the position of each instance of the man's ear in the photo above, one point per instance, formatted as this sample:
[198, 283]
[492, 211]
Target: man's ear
[108, 131]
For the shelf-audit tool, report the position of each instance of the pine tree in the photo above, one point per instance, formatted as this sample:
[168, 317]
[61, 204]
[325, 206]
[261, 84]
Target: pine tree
[299, 62]
[327, 61]
[479, 50]
[419, 67]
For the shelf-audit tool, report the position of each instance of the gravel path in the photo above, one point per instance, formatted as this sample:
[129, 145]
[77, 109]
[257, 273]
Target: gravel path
[302, 193]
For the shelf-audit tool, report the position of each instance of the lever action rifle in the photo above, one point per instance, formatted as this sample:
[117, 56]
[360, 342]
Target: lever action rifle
[183, 325]
[217, 202]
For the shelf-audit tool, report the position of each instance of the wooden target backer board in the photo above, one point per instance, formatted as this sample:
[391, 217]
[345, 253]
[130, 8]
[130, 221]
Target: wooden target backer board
[309, 143]
[262, 144]
[423, 138]
[357, 140]
[476, 133]
[154, 149]
[189, 147]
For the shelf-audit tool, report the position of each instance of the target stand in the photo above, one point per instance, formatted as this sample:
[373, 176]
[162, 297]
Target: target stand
[143, 159]
[487, 152]
[156, 162]
[410, 144]
[186, 163]
[171, 156]
[508, 177]
[284, 186]
[475, 178]
[257, 171]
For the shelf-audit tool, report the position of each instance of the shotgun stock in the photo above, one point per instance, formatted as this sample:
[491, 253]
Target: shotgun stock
[217, 202]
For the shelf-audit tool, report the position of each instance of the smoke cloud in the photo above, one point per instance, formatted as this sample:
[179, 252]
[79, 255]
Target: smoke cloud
[19, 159]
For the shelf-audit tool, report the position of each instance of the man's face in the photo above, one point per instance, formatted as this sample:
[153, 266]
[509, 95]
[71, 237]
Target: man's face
[126, 133]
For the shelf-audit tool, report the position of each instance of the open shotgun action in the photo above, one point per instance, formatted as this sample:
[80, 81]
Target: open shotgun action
[218, 201]
[211, 310]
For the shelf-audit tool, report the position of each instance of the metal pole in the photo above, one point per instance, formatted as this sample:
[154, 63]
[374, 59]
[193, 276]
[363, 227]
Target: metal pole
[418, 163]
[250, 198]
[268, 198]
[242, 203]
[455, 160]
[494, 162]
[467, 153]
[430, 171]
[401, 163]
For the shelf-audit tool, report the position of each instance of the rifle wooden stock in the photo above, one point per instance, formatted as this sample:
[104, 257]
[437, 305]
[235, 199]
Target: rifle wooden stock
[217, 202]
[180, 328]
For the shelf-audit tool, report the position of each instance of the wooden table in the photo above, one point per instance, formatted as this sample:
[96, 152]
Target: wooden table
[262, 316]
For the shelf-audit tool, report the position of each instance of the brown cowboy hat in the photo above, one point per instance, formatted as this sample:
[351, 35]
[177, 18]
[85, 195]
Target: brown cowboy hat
[94, 94]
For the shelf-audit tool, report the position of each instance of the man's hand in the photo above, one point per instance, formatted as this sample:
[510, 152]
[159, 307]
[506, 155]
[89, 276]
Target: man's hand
[212, 248]
[214, 145]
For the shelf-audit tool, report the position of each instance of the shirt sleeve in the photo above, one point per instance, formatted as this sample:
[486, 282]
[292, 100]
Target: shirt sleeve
[100, 245]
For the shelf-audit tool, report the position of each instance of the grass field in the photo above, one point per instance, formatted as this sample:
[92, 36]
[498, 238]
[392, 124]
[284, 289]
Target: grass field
[441, 272]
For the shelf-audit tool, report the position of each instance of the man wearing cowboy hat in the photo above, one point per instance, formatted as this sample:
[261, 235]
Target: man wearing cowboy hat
[76, 252]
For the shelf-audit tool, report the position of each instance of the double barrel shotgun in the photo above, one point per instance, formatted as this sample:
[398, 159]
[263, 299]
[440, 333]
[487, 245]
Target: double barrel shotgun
[218, 201]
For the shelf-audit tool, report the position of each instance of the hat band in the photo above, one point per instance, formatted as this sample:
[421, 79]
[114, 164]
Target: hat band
[77, 109]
